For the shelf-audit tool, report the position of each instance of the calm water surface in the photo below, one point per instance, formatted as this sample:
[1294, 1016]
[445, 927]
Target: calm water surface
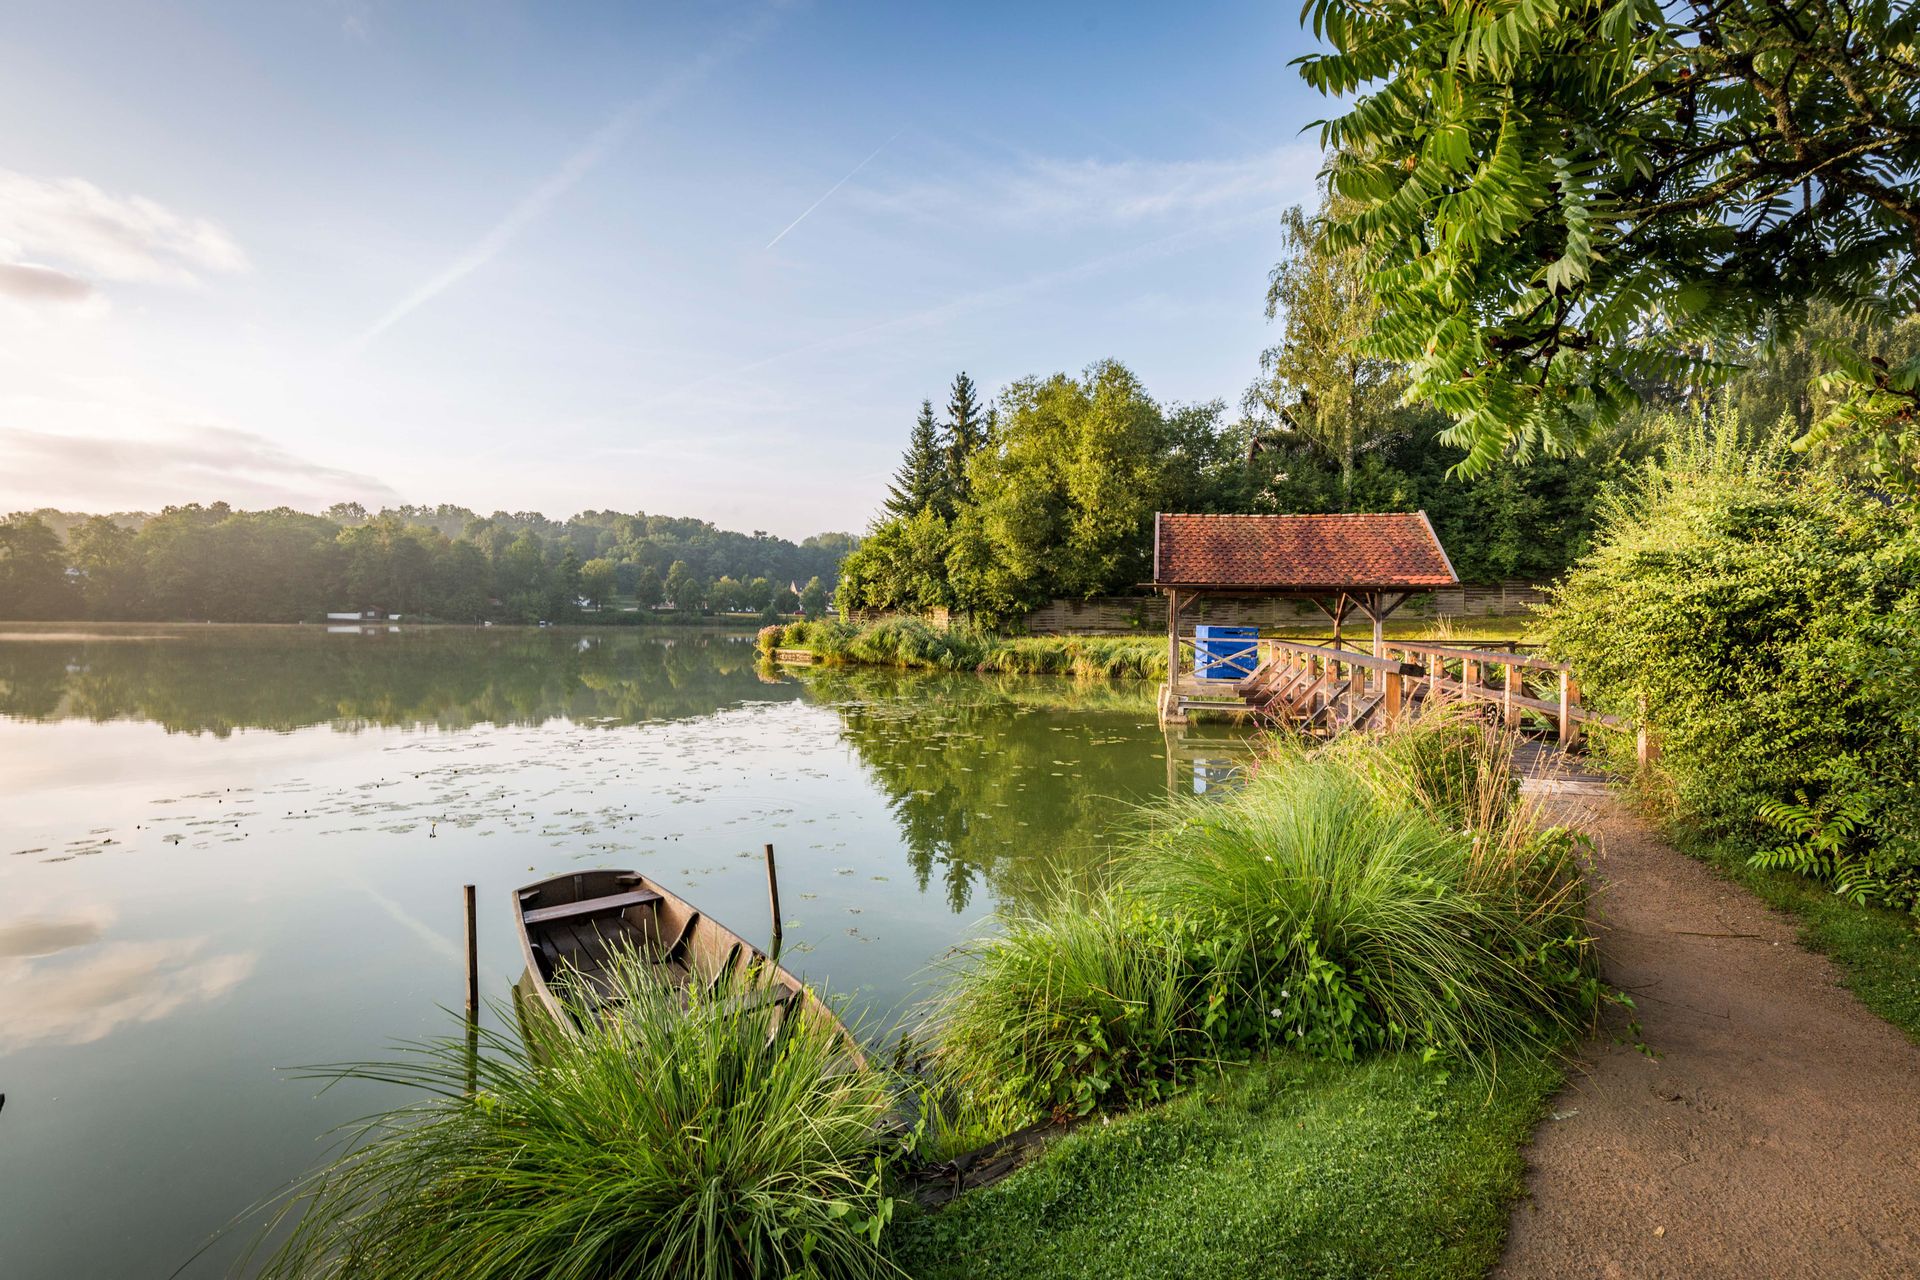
[225, 851]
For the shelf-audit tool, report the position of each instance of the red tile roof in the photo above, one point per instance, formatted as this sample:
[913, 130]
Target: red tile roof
[1394, 551]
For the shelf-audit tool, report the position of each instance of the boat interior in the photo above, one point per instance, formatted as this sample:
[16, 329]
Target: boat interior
[577, 924]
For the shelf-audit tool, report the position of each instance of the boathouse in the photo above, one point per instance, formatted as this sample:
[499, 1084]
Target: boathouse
[1344, 564]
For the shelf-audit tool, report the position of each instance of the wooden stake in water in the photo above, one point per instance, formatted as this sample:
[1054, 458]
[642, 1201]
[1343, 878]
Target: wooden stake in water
[473, 992]
[473, 957]
[773, 898]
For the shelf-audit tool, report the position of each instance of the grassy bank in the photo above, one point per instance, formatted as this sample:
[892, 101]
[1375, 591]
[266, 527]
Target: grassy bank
[910, 643]
[1286, 1167]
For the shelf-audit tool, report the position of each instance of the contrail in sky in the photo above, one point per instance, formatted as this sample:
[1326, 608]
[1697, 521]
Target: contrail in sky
[1155, 248]
[835, 187]
[604, 142]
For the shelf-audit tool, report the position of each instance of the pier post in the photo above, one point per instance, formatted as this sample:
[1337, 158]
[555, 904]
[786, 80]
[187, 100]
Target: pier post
[473, 955]
[773, 899]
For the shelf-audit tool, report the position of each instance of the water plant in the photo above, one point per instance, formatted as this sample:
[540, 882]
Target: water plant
[685, 1135]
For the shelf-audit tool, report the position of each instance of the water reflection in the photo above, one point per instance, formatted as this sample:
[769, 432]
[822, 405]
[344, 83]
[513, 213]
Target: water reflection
[65, 987]
[983, 773]
[218, 679]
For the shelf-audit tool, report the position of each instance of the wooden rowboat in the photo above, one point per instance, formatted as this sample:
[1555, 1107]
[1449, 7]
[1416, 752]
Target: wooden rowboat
[572, 925]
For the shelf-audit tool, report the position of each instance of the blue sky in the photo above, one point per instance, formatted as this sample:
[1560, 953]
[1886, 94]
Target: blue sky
[697, 259]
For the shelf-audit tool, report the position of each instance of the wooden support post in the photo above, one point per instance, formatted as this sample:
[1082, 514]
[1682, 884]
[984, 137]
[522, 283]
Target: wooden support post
[1173, 636]
[1569, 732]
[1509, 714]
[1396, 697]
[1436, 672]
[773, 899]
[1470, 686]
[473, 955]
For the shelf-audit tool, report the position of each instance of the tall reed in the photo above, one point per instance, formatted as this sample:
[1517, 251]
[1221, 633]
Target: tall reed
[1384, 894]
[714, 1140]
[1089, 1002]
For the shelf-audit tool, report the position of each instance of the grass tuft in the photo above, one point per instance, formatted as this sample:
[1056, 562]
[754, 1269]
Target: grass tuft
[712, 1142]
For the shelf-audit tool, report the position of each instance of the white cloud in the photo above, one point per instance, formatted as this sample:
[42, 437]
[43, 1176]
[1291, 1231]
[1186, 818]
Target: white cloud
[70, 228]
[200, 464]
[1049, 192]
[29, 283]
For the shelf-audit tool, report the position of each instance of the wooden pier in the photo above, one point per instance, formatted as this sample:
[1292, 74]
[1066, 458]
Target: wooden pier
[1326, 690]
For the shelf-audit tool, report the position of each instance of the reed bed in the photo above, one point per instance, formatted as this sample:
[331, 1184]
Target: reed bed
[711, 1141]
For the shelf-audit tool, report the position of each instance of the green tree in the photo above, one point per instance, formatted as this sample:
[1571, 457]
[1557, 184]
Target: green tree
[813, 598]
[965, 434]
[598, 579]
[921, 480]
[1319, 390]
[33, 570]
[648, 591]
[684, 590]
[520, 579]
[1066, 492]
[1564, 203]
[563, 587]
[726, 595]
[105, 553]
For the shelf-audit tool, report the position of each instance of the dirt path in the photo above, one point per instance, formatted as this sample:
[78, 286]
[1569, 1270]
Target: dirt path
[1777, 1133]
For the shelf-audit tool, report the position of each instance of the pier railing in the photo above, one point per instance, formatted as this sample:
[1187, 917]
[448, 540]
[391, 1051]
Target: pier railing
[1321, 686]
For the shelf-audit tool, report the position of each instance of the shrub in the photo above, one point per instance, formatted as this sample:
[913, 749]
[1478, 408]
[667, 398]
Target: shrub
[1360, 922]
[1761, 619]
[705, 1141]
[1389, 892]
[1092, 1002]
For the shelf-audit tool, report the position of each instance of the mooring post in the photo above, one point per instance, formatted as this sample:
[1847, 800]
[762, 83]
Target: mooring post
[473, 956]
[773, 898]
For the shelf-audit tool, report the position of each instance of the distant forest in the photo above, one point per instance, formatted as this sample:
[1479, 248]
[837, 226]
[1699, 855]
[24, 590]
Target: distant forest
[214, 563]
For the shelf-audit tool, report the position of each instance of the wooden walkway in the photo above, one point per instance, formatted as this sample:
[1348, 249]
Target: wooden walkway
[1324, 691]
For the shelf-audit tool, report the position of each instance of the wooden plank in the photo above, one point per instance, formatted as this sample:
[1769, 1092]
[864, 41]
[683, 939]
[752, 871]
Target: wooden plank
[592, 906]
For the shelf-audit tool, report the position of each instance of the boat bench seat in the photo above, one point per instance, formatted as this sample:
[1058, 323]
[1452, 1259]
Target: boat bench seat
[591, 906]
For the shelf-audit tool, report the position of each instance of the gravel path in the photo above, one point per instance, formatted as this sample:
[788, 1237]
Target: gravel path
[1775, 1133]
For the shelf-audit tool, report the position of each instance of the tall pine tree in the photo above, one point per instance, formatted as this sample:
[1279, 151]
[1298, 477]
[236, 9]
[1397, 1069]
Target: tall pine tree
[922, 478]
[965, 435]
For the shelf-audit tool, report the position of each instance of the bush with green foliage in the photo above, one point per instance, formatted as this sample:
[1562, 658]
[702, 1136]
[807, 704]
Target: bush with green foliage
[694, 1135]
[1763, 621]
[1094, 1001]
[1388, 894]
[1358, 920]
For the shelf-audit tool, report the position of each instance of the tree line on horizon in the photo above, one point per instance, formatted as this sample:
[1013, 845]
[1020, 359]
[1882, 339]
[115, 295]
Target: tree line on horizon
[447, 563]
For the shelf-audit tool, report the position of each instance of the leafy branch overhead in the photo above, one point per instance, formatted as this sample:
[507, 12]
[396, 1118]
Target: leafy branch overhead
[1567, 204]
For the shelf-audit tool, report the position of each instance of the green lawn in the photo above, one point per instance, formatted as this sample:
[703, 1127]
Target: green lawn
[1878, 951]
[1287, 1168]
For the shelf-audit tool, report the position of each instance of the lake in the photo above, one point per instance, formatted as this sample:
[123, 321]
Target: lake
[227, 851]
